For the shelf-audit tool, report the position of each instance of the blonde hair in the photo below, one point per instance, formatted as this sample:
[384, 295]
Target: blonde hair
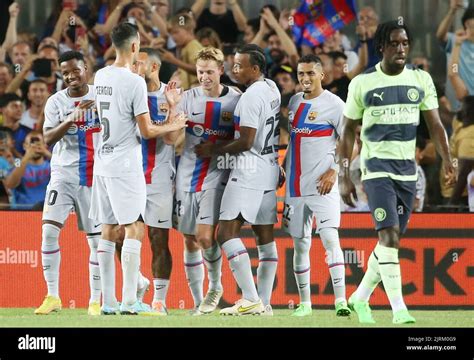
[211, 53]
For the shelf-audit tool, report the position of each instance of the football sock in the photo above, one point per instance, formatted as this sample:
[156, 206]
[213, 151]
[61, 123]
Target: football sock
[335, 261]
[193, 266]
[371, 278]
[161, 289]
[302, 268]
[94, 270]
[390, 272]
[239, 262]
[51, 258]
[213, 260]
[130, 268]
[267, 266]
[106, 259]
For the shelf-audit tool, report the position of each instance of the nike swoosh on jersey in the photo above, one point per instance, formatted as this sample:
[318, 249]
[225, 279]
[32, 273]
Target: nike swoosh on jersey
[162, 221]
[204, 217]
[194, 114]
[323, 221]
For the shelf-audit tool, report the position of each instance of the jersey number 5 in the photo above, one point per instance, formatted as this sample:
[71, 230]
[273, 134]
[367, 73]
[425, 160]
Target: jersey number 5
[104, 121]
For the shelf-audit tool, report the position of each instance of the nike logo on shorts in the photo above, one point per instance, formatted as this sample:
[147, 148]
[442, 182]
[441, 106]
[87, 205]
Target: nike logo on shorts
[194, 114]
[162, 221]
[323, 221]
[204, 217]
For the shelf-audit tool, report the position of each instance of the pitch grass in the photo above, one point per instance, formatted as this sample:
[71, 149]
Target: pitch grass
[24, 317]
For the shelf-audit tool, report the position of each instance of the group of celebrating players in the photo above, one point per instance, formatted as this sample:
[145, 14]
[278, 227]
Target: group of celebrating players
[114, 163]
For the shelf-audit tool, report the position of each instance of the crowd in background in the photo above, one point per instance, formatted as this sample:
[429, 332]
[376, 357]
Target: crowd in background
[29, 74]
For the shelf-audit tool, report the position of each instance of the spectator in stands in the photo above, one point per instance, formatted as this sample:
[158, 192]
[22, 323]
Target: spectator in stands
[38, 93]
[19, 54]
[29, 179]
[6, 163]
[11, 34]
[341, 73]
[251, 30]
[6, 76]
[280, 47]
[463, 151]
[47, 71]
[461, 66]
[182, 30]
[208, 37]
[12, 109]
[224, 16]
[369, 20]
[334, 43]
[464, 50]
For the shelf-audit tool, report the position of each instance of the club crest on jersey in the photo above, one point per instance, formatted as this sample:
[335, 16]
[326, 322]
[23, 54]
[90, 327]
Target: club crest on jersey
[312, 115]
[164, 107]
[226, 116]
[72, 129]
[198, 130]
[413, 94]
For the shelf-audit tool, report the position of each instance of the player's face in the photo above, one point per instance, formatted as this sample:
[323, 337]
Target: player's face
[242, 70]
[74, 73]
[395, 51]
[209, 74]
[141, 65]
[310, 76]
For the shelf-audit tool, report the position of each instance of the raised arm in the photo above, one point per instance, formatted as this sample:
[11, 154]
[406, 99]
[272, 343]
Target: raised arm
[286, 42]
[443, 28]
[459, 86]
[198, 7]
[156, 19]
[363, 53]
[11, 35]
[239, 16]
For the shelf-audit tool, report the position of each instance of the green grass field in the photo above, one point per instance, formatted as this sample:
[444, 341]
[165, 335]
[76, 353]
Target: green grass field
[24, 317]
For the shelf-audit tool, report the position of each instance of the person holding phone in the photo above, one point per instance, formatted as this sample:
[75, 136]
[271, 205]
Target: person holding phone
[28, 180]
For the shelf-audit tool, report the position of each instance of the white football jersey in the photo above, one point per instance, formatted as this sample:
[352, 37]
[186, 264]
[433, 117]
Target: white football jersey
[120, 96]
[158, 157]
[73, 155]
[210, 119]
[315, 126]
[258, 108]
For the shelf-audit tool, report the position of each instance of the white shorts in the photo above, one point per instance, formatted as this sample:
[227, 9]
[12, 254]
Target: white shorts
[299, 212]
[257, 207]
[159, 208]
[197, 208]
[118, 200]
[62, 198]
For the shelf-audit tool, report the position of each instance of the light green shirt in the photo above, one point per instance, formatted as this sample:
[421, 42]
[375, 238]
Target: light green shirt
[389, 107]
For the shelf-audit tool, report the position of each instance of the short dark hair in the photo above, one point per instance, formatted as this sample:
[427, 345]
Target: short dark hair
[69, 55]
[337, 54]
[256, 55]
[153, 53]
[310, 58]
[382, 34]
[7, 98]
[48, 46]
[468, 14]
[254, 24]
[123, 33]
[37, 81]
[9, 68]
